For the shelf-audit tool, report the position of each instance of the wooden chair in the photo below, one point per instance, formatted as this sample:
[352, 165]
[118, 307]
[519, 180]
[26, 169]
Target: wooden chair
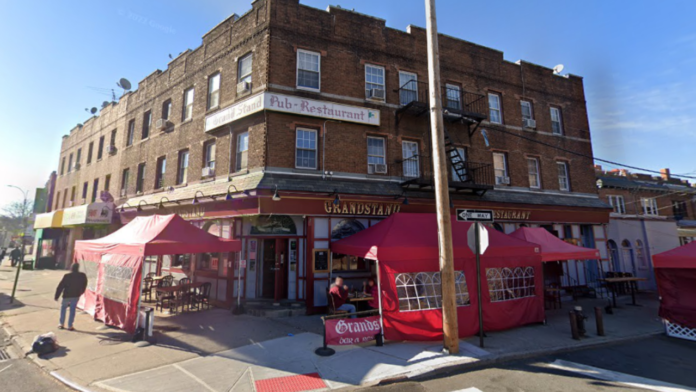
[181, 298]
[167, 281]
[146, 290]
[552, 297]
[184, 281]
[201, 297]
[332, 305]
[151, 275]
[162, 300]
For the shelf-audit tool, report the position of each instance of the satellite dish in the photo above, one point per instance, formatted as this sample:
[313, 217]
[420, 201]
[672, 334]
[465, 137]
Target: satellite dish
[93, 110]
[558, 69]
[105, 104]
[170, 56]
[124, 84]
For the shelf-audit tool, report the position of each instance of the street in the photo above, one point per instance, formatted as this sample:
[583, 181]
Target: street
[660, 361]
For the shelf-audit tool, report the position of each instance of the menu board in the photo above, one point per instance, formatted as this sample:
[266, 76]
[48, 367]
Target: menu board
[321, 260]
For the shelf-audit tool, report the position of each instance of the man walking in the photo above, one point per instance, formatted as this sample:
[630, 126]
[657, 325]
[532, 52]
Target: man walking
[72, 287]
[15, 256]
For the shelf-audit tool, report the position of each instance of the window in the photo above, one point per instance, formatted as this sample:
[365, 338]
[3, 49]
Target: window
[533, 169]
[458, 170]
[161, 170]
[308, 70]
[89, 152]
[188, 104]
[100, 150]
[112, 143]
[374, 80]
[494, 108]
[409, 151]
[62, 166]
[306, 149]
[408, 87]
[84, 190]
[140, 179]
[214, 91]
[500, 166]
[563, 180]
[453, 97]
[242, 150]
[348, 263]
[421, 290]
[107, 182]
[70, 165]
[679, 209]
[506, 284]
[640, 255]
[527, 113]
[72, 194]
[617, 202]
[65, 196]
[375, 151]
[166, 109]
[182, 172]
[649, 206]
[208, 261]
[77, 159]
[147, 122]
[244, 69]
[131, 132]
[95, 190]
[556, 123]
[209, 154]
[124, 181]
[56, 206]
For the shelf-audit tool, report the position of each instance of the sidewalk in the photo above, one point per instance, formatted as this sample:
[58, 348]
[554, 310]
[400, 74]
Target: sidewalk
[215, 351]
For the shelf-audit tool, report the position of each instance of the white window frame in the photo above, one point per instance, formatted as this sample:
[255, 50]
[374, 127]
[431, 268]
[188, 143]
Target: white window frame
[649, 206]
[409, 149]
[618, 203]
[182, 167]
[534, 172]
[382, 157]
[246, 76]
[402, 82]
[161, 172]
[188, 103]
[558, 120]
[499, 109]
[373, 84]
[130, 136]
[298, 131]
[462, 153]
[563, 177]
[214, 90]
[505, 165]
[509, 284]
[527, 103]
[449, 94]
[297, 70]
[209, 151]
[242, 151]
[418, 291]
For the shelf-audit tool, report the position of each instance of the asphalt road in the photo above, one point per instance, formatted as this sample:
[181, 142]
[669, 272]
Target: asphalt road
[659, 359]
[21, 375]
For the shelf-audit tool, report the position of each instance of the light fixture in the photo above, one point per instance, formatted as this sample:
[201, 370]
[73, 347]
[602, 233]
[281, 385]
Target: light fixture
[195, 197]
[337, 199]
[229, 195]
[123, 209]
[405, 202]
[140, 203]
[600, 183]
[276, 195]
[161, 203]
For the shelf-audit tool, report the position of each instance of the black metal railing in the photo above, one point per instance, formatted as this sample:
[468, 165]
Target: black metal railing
[418, 170]
[415, 94]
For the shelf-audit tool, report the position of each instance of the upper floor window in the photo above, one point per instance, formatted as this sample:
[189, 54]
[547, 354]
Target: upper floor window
[182, 172]
[95, 190]
[72, 194]
[527, 113]
[500, 168]
[140, 179]
[85, 186]
[306, 149]
[244, 69]
[374, 82]
[147, 122]
[495, 108]
[408, 87]
[100, 149]
[77, 158]
[70, 163]
[453, 95]
[107, 182]
[65, 196]
[617, 201]
[188, 104]
[89, 152]
[409, 153]
[308, 70]
[556, 122]
[679, 209]
[124, 181]
[376, 154]
[533, 169]
[161, 170]
[112, 142]
[166, 109]
[242, 150]
[209, 154]
[649, 205]
[563, 180]
[213, 91]
[62, 166]
[131, 133]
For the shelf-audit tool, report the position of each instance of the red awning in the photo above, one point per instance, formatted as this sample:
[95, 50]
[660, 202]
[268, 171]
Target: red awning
[681, 257]
[552, 247]
[158, 235]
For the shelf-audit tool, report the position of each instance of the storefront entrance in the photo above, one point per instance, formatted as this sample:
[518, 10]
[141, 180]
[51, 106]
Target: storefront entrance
[273, 281]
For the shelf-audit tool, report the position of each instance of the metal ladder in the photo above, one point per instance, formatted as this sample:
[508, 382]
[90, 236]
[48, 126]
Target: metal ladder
[455, 158]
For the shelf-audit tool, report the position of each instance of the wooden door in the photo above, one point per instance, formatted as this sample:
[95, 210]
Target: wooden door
[268, 279]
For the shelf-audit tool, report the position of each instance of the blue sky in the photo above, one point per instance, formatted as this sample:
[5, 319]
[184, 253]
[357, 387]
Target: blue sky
[638, 60]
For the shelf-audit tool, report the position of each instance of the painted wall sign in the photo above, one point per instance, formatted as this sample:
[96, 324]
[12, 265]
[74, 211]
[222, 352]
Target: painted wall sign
[358, 208]
[351, 331]
[88, 214]
[511, 215]
[295, 105]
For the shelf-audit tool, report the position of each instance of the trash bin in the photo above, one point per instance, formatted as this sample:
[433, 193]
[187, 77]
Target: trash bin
[146, 321]
[28, 264]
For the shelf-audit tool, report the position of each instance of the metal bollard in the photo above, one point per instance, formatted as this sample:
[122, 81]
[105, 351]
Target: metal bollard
[574, 325]
[600, 321]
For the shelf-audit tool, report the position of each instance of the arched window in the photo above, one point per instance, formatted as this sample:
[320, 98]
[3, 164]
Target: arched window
[628, 264]
[614, 255]
[640, 255]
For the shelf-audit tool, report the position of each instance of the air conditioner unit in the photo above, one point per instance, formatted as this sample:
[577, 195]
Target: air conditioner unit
[501, 180]
[208, 172]
[111, 149]
[77, 166]
[161, 124]
[243, 87]
[123, 193]
[529, 123]
[376, 93]
[380, 168]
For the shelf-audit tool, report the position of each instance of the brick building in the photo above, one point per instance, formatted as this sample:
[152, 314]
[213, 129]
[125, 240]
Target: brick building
[651, 214]
[289, 135]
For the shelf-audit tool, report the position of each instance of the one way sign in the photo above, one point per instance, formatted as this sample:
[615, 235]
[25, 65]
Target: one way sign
[475, 215]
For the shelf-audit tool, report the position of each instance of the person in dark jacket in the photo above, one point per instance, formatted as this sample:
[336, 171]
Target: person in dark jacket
[72, 287]
[15, 255]
[3, 252]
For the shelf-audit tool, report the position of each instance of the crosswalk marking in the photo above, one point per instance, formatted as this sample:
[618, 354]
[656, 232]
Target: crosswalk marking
[472, 389]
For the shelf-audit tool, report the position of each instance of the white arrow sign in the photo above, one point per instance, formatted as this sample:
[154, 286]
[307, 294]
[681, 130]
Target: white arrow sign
[483, 238]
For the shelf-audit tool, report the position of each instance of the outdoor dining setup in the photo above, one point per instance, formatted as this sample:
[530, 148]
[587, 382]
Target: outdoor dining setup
[170, 294]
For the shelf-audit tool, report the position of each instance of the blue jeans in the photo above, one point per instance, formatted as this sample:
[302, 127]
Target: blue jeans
[72, 304]
[348, 308]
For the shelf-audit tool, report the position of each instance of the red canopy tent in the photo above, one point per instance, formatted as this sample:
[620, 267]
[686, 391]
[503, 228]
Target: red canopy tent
[675, 272]
[113, 264]
[552, 247]
[405, 247]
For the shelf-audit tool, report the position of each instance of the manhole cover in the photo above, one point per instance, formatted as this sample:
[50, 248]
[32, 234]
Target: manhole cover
[4, 356]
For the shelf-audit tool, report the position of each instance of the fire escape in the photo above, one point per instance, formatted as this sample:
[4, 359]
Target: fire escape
[463, 111]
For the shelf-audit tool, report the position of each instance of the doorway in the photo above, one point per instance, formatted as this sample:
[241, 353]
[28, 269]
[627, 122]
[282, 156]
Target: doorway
[273, 280]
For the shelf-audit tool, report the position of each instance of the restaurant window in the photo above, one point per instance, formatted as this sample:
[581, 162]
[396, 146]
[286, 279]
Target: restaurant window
[306, 149]
[422, 291]
[166, 109]
[209, 154]
[95, 190]
[617, 202]
[495, 110]
[533, 170]
[100, 150]
[62, 166]
[453, 96]
[408, 87]
[242, 150]
[188, 104]
[182, 167]
[107, 182]
[308, 70]
[70, 165]
[208, 261]
[500, 168]
[374, 82]
[181, 262]
[131, 133]
[89, 152]
[161, 170]
[214, 91]
[124, 181]
[506, 284]
[679, 209]
[376, 154]
[563, 180]
[140, 179]
[527, 113]
[244, 69]
[147, 122]
[409, 151]
[649, 205]
[556, 122]
[348, 263]
[458, 171]
[85, 186]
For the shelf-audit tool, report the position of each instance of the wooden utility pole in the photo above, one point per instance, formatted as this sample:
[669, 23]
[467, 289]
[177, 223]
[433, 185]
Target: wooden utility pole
[444, 220]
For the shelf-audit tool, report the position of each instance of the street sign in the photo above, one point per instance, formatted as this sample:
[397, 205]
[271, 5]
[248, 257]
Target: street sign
[474, 215]
[482, 237]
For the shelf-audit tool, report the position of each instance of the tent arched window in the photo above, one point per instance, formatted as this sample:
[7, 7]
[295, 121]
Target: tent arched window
[421, 290]
[506, 284]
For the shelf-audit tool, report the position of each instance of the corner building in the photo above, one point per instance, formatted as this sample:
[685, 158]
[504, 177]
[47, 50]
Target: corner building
[291, 126]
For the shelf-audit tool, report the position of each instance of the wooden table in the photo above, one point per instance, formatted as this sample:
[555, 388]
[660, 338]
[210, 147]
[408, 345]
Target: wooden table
[614, 281]
[359, 299]
[174, 289]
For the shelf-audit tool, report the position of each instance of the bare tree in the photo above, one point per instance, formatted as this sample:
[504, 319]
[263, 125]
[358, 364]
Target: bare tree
[15, 216]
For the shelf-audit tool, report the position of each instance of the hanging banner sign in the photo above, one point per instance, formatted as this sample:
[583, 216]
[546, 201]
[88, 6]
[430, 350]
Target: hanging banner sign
[341, 332]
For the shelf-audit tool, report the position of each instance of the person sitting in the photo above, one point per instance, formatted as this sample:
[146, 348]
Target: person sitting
[339, 293]
[371, 291]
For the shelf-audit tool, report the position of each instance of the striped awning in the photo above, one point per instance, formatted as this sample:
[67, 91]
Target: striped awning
[49, 220]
